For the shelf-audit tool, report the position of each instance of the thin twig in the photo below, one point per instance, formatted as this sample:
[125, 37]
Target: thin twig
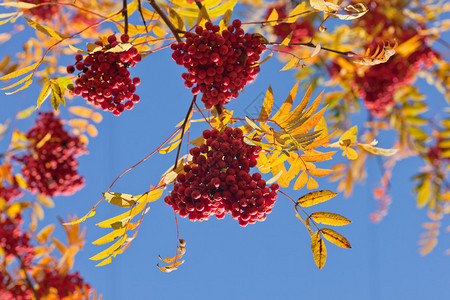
[312, 45]
[183, 130]
[27, 278]
[125, 14]
[142, 15]
[166, 20]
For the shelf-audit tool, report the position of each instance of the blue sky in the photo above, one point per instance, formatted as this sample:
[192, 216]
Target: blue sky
[267, 260]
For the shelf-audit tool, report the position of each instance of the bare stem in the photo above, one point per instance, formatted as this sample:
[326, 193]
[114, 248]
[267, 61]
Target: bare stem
[27, 278]
[166, 20]
[125, 14]
[183, 127]
[312, 45]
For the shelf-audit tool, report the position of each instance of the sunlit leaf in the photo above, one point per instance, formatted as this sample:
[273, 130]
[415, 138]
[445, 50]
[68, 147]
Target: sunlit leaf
[90, 214]
[110, 250]
[314, 198]
[319, 250]
[328, 218]
[26, 112]
[46, 30]
[378, 151]
[335, 238]
[119, 199]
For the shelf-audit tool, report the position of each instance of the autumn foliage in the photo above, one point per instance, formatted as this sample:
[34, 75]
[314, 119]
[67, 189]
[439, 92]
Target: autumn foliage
[237, 169]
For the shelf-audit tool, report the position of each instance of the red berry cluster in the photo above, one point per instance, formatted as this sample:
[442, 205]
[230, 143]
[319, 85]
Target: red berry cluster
[219, 64]
[10, 290]
[65, 284]
[378, 85]
[105, 80]
[11, 192]
[13, 241]
[43, 12]
[219, 181]
[51, 169]
[302, 30]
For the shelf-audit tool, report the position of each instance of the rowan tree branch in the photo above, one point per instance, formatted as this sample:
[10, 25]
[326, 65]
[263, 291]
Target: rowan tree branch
[166, 20]
[183, 127]
[312, 45]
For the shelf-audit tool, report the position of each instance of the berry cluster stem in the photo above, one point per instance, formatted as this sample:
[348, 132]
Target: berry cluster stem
[166, 20]
[125, 14]
[183, 129]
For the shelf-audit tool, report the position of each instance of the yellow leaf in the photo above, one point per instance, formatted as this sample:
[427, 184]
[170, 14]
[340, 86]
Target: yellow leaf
[154, 195]
[38, 210]
[315, 156]
[301, 181]
[45, 200]
[314, 198]
[45, 233]
[266, 109]
[26, 112]
[92, 130]
[296, 12]
[282, 113]
[221, 9]
[330, 218]
[170, 148]
[378, 151]
[273, 17]
[423, 196]
[350, 136]
[350, 153]
[44, 140]
[26, 78]
[19, 72]
[104, 262]
[119, 199]
[90, 214]
[319, 250]
[45, 92]
[312, 184]
[320, 172]
[81, 111]
[335, 238]
[110, 250]
[59, 245]
[21, 181]
[110, 236]
[46, 30]
[291, 63]
[225, 21]
[19, 4]
[124, 216]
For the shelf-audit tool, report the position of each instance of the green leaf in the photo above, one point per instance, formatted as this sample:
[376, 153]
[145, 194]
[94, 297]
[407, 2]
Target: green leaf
[314, 198]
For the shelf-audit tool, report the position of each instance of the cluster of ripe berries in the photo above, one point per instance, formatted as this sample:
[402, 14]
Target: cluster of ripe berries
[66, 285]
[51, 167]
[379, 83]
[44, 12]
[219, 182]
[13, 241]
[105, 80]
[301, 30]
[219, 64]
[10, 290]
